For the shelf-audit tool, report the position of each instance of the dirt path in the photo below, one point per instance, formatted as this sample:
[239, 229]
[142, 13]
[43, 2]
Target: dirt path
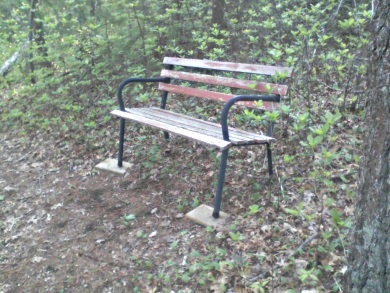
[65, 232]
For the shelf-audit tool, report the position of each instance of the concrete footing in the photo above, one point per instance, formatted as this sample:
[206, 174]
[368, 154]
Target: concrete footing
[111, 165]
[203, 216]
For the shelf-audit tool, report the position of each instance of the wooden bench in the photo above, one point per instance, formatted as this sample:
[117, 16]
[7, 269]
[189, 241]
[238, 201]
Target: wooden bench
[175, 79]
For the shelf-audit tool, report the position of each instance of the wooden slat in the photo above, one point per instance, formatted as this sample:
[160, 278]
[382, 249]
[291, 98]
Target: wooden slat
[201, 126]
[238, 135]
[221, 144]
[228, 66]
[270, 106]
[213, 129]
[227, 81]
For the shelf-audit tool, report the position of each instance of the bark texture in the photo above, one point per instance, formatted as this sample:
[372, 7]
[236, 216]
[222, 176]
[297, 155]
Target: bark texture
[218, 13]
[369, 258]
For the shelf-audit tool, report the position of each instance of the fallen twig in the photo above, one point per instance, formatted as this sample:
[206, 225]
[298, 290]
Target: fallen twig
[306, 242]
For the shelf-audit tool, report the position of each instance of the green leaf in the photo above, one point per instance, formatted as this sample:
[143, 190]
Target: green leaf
[336, 217]
[293, 212]
[129, 217]
[236, 236]
[252, 86]
[254, 209]
[314, 141]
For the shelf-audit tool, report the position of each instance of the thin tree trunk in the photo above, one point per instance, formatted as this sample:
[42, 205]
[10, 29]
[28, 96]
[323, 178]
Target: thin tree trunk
[218, 13]
[369, 258]
[177, 6]
[31, 21]
[36, 35]
[142, 35]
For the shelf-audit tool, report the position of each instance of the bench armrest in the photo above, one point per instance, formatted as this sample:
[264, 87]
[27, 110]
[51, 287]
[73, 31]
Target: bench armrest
[231, 102]
[133, 80]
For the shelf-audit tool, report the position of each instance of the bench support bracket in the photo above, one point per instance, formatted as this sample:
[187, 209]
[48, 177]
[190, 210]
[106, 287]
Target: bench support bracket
[269, 158]
[121, 141]
[221, 181]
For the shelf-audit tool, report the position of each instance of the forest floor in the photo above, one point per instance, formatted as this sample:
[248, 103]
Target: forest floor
[67, 228]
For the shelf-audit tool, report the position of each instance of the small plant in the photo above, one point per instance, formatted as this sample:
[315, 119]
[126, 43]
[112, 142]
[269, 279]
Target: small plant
[195, 202]
[308, 277]
[254, 209]
[175, 244]
[127, 219]
[260, 286]
[141, 234]
[236, 236]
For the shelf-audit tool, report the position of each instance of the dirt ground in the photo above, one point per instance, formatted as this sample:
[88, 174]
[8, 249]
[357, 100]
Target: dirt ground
[67, 228]
[63, 226]
[62, 230]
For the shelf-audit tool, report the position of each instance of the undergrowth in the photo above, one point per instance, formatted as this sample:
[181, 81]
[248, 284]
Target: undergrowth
[85, 55]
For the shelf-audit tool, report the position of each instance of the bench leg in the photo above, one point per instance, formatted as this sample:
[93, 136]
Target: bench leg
[221, 181]
[269, 156]
[121, 141]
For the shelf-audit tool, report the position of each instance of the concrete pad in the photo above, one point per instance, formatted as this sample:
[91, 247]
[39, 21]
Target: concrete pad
[203, 216]
[111, 165]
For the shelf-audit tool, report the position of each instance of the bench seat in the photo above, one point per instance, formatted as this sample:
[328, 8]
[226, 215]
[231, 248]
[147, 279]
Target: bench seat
[195, 129]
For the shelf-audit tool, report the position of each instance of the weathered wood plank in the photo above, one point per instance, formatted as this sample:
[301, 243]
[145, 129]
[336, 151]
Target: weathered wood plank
[228, 66]
[221, 144]
[236, 136]
[181, 121]
[213, 130]
[196, 125]
[194, 92]
[227, 81]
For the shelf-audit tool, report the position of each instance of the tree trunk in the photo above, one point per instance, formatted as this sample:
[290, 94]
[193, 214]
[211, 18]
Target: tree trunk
[218, 13]
[369, 258]
[177, 6]
[33, 6]
[37, 35]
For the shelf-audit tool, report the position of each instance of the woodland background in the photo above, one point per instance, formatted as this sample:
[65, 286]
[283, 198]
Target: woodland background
[62, 62]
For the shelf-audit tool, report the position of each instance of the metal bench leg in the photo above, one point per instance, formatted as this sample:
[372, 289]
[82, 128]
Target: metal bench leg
[269, 156]
[221, 181]
[121, 141]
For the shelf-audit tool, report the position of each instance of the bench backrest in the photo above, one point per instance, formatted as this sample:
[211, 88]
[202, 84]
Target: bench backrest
[254, 79]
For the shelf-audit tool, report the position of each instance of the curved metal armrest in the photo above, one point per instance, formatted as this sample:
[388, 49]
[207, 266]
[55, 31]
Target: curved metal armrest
[231, 102]
[136, 79]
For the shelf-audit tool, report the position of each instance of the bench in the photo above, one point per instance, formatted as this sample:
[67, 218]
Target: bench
[241, 84]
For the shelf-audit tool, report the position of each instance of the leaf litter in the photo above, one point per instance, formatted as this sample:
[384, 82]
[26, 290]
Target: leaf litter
[63, 224]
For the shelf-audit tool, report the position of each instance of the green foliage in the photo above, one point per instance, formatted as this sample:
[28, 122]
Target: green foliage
[253, 209]
[88, 50]
[127, 219]
[236, 236]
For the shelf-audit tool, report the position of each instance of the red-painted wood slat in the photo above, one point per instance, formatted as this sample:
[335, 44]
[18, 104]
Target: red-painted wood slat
[212, 95]
[227, 81]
